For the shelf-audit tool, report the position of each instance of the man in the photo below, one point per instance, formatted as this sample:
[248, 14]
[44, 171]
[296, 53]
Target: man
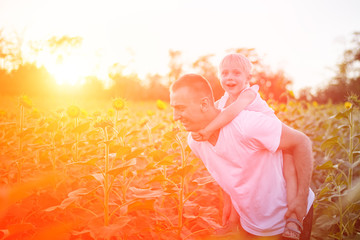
[245, 158]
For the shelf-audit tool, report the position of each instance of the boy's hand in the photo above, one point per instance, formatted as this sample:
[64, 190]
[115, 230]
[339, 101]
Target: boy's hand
[205, 134]
[201, 135]
[196, 136]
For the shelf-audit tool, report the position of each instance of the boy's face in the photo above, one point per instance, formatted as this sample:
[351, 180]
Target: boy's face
[233, 79]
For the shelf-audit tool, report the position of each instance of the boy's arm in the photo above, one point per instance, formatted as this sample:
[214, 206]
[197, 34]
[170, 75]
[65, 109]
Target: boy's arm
[301, 148]
[216, 104]
[230, 112]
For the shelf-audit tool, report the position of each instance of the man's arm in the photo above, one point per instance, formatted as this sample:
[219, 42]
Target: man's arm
[300, 146]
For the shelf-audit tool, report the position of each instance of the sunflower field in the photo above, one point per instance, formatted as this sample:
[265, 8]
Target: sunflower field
[125, 172]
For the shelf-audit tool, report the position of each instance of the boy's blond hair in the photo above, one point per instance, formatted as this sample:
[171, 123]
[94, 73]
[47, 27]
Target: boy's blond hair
[236, 60]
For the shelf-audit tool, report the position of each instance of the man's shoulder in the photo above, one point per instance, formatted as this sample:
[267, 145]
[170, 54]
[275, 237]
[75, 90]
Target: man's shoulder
[247, 115]
[247, 120]
[240, 122]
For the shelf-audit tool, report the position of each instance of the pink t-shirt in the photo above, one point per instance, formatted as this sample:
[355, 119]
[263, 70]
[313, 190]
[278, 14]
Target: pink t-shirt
[247, 164]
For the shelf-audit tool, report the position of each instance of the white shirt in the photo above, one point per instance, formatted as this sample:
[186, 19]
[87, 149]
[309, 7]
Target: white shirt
[247, 165]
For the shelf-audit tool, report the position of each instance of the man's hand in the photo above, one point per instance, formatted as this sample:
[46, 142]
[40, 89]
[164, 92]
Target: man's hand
[299, 207]
[226, 212]
[230, 220]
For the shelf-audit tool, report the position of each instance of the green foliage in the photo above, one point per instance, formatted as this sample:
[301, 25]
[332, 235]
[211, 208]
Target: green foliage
[112, 178]
[137, 179]
[337, 212]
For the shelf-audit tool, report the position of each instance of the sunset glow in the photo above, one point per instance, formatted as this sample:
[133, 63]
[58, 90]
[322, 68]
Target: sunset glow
[139, 34]
[72, 70]
[90, 147]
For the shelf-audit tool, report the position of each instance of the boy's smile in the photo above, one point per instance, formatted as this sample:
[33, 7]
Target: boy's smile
[233, 80]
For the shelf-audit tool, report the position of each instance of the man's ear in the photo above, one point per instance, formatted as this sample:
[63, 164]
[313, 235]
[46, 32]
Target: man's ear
[204, 104]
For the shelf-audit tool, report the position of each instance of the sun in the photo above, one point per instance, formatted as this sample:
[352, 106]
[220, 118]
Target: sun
[73, 65]
[71, 70]
[68, 63]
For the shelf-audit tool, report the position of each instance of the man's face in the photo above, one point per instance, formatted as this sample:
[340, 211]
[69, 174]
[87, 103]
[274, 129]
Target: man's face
[187, 109]
[233, 79]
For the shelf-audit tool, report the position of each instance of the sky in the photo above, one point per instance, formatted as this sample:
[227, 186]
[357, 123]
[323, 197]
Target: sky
[305, 39]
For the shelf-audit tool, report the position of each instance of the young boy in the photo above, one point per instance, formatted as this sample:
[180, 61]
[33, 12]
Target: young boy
[235, 74]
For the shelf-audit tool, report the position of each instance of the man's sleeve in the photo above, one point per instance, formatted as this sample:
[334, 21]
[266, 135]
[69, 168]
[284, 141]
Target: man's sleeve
[261, 131]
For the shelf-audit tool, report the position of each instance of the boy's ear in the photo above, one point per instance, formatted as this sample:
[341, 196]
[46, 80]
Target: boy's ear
[204, 104]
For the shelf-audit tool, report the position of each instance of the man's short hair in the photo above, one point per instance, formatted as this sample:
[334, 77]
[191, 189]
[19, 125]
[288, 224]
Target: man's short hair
[195, 83]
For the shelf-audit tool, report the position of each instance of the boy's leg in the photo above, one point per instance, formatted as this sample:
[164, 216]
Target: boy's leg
[290, 177]
[291, 191]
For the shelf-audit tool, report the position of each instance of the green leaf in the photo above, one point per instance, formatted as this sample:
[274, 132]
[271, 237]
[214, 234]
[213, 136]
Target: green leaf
[157, 178]
[168, 160]
[343, 126]
[78, 192]
[146, 193]
[134, 154]
[183, 171]
[158, 155]
[324, 192]
[120, 169]
[72, 197]
[326, 165]
[90, 162]
[329, 143]
[329, 178]
[170, 136]
[157, 127]
[122, 132]
[211, 222]
[134, 132]
[121, 151]
[98, 176]
[53, 126]
[141, 205]
[203, 180]
[108, 142]
[341, 115]
[171, 190]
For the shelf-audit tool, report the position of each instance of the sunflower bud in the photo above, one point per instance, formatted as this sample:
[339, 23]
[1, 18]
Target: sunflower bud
[347, 105]
[73, 111]
[111, 112]
[118, 104]
[161, 105]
